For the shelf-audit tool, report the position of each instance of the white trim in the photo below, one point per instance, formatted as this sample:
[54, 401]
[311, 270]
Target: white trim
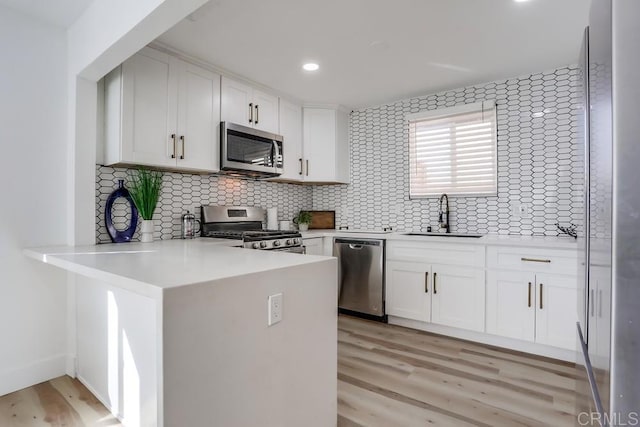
[33, 373]
[458, 109]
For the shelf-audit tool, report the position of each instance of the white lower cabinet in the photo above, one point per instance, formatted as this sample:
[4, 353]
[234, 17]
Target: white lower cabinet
[458, 297]
[511, 309]
[535, 307]
[516, 297]
[313, 246]
[442, 294]
[408, 293]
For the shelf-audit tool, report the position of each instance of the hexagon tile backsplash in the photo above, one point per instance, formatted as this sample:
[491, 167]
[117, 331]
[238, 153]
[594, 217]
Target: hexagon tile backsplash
[539, 168]
[539, 163]
[182, 192]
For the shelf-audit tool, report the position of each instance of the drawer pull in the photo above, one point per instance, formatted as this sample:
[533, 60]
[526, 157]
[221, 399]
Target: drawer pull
[435, 289]
[541, 295]
[535, 260]
[529, 296]
[426, 282]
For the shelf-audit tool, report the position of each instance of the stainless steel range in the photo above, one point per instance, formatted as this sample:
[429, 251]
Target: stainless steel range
[245, 223]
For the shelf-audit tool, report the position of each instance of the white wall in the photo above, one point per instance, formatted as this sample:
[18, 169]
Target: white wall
[33, 111]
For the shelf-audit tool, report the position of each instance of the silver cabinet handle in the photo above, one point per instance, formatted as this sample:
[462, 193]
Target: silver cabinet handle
[541, 295]
[435, 288]
[182, 140]
[600, 303]
[173, 137]
[426, 282]
[535, 260]
[529, 296]
[251, 112]
[300, 165]
[307, 167]
[257, 114]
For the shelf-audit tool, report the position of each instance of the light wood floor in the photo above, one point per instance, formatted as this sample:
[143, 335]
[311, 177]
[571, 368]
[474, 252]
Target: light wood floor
[60, 402]
[393, 376]
[388, 376]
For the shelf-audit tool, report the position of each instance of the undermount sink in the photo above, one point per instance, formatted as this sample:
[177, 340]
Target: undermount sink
[445, 234]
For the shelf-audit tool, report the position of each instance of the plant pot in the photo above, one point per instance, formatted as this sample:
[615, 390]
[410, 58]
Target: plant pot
[303, 227]
[146, 231]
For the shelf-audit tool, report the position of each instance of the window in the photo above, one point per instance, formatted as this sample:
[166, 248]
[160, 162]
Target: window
[453, 151]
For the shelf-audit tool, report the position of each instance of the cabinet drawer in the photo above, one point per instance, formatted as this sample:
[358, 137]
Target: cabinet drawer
[533, 259]
[440, 253]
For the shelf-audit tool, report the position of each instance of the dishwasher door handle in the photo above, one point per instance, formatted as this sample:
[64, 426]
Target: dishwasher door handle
[355, 246]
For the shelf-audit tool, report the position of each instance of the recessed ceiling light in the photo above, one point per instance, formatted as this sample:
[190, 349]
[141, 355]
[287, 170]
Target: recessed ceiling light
[310, 66]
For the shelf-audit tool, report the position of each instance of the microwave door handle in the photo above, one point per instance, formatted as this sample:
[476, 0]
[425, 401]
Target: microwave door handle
[276, 152]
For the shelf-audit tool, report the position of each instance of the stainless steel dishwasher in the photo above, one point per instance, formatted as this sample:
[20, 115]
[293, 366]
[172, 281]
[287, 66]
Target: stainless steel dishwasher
[361, 277]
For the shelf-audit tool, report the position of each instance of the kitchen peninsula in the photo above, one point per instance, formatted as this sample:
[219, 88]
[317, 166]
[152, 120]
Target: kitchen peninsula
[176, 332]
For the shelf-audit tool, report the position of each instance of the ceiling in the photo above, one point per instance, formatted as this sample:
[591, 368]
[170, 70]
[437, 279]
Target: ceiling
[376, 51]
[57, 12]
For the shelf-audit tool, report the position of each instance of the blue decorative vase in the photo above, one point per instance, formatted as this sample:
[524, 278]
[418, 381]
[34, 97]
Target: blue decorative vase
[120, 236]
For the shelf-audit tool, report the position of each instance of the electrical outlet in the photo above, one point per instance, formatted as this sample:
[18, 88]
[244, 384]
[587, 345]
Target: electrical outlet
[520, 210]
[275, 309]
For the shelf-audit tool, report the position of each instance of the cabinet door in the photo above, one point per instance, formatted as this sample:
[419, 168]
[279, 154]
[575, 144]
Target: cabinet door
[458, 297]
[314, 246]
[408, 290]
[511, 304]
[291, 131]
[198, 118]
[149, 109]
[265, 111]
[235, 101]
[556, 310]
[319, 129]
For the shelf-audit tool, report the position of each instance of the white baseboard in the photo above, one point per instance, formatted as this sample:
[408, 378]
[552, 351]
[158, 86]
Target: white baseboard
[33, 373]
[494, 340]
[102, 399]
[71, 367]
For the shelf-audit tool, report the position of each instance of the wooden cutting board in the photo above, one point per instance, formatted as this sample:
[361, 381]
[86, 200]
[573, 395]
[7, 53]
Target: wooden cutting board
[322, 220]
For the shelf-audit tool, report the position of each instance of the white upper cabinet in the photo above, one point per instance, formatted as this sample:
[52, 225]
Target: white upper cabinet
[246, 106]
[291, 131]
[266, 109]
[198, 119]
[326, 145]
[163, 112]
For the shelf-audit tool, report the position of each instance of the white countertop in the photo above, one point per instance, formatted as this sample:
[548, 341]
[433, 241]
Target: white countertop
[560, 242]
[148, 268]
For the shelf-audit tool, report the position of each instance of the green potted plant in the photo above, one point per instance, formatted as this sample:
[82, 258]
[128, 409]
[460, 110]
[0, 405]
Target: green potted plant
[303, 219]
[145, 190]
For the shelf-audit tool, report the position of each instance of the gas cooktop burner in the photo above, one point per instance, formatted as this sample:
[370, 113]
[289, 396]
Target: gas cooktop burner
[252, 235]
[245, 223]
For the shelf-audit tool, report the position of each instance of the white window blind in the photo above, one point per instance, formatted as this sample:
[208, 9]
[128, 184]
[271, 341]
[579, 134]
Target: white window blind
[453, 151]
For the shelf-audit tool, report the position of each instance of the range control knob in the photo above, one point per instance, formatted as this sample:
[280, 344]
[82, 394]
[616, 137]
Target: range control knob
[256, 245]
[296, 241]
[263, 244]
[276, 243]
[288, 242]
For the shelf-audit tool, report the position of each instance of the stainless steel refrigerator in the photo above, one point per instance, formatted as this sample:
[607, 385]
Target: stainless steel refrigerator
[609, 327]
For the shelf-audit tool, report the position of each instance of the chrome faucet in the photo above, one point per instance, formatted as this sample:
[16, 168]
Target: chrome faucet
[444, 213]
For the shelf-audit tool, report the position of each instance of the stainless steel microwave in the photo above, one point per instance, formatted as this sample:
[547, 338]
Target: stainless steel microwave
[250, 152]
